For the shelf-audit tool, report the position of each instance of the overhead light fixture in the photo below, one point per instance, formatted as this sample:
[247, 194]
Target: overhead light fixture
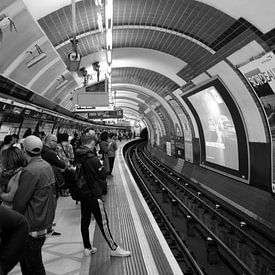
[109, 45]
[109, 58]
[35, 58]
[99, 21]
[98, 3]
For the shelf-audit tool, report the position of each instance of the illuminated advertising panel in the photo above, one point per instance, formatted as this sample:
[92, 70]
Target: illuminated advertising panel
[260, 74]
[221, 145]
[222, 136]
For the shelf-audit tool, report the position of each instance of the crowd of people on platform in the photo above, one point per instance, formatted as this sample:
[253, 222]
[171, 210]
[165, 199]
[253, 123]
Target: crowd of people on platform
[34, 172]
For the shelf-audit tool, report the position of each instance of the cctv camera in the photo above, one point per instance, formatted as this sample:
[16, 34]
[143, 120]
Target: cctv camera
[96, 66]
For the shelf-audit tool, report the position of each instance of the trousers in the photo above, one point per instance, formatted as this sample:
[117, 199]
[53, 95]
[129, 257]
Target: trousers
[96, 207]
[32, 263]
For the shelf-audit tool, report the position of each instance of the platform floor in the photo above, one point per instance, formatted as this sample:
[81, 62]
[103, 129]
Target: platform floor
[132, 225]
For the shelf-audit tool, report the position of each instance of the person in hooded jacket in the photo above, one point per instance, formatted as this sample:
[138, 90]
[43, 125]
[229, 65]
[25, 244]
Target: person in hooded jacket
[93, 204]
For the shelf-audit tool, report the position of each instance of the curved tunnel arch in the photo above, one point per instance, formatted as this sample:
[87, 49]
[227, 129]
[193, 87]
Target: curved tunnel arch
[203, 38]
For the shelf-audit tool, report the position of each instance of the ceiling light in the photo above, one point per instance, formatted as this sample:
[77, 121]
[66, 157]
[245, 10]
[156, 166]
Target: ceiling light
[99, 21]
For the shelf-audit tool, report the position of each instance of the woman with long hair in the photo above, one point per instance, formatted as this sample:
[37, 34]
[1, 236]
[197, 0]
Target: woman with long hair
[13, 162]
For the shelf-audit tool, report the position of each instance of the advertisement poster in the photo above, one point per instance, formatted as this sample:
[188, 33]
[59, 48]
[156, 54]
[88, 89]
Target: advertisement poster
[220, 137]
[168, 148]
[260, 74]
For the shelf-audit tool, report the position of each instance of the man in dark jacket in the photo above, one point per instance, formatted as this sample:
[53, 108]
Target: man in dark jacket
[14, 231]
[35, 199]
[93, 203]
[49, 154]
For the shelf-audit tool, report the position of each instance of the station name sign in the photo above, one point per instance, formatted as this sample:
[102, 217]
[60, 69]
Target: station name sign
[93, 114]
[105, 114]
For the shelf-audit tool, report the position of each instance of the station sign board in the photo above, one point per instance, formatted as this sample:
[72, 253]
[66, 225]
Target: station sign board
[118, 113]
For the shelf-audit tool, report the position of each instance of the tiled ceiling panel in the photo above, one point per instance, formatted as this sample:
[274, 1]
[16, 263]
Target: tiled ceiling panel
[190, 17]
[145, 78]
[165, 42]
[58, 24]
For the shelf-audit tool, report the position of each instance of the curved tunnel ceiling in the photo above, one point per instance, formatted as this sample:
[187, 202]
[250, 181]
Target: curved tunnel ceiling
[158, 45]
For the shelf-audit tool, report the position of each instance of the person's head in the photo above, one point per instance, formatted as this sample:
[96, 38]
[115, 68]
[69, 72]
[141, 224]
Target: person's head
[89, 131]
[104, 136]
[63, 137]
[51, 141]
[32, 145]
[13, 158]
[111, 135]
[15, 138]
[8, 140]
[88, 141]
[42, 136]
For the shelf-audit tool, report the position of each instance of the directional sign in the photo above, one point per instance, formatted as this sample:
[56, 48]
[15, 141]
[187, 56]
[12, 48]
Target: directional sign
[105, 114]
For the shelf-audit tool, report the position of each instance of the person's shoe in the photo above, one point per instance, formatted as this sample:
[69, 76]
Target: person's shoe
[89, 251]
[120, 252]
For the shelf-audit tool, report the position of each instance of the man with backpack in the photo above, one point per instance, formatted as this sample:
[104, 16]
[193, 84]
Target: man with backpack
[92, 203]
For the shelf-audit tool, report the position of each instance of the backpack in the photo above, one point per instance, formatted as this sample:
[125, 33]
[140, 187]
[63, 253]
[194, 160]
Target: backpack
[79, 187]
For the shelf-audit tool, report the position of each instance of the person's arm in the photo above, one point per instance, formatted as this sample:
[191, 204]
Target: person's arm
[26, 187]
[57, 161]
[13, 185]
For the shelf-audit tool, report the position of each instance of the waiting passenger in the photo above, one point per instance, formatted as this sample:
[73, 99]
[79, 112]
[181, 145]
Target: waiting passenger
[112, 152]
[35, 200]
[105, 148]
[50, 155]
[74, 141]
[16, 141]
[65, 151]
[14, 229]
[13, 162]
[7, 143]
[93, 203]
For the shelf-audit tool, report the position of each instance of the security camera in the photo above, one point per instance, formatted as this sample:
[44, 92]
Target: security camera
[83, 71]
[96, 66]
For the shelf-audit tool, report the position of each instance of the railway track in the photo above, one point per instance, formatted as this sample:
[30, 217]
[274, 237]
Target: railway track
[205, 236]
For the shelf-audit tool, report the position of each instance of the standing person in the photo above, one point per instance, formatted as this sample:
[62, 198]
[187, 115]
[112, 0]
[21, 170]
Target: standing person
[13, 162]
[49, 154]
[7, 143]
[93, 203]
[74, 141]
[65, 151]
[105, 148]
[16, 141]
[112, 152]
[35, 199]
[14, 229]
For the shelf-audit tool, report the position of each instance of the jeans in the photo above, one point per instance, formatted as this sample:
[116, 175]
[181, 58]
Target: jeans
[95, 206]
[32, 263]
